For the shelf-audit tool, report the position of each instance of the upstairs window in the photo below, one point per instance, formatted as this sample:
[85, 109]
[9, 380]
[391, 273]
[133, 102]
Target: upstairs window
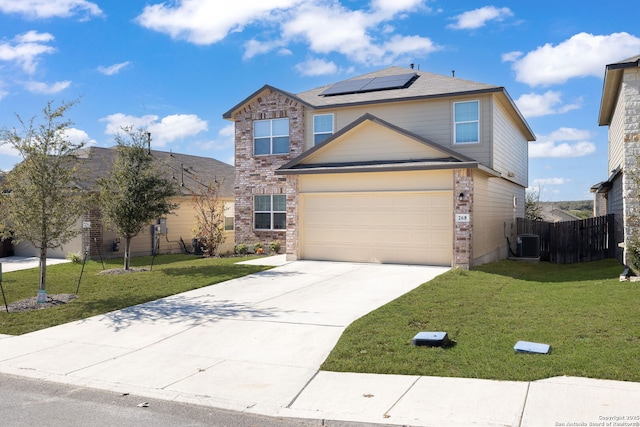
[466, 118]
[322, 127]
[270, 137]
[270, 212]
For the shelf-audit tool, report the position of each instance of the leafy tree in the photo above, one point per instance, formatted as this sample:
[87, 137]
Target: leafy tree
[532, 206]
[209, 228]
[137, 190]
[41, 204]
[632, 226]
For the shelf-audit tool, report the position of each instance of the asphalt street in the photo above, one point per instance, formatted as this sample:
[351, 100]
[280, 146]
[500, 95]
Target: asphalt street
[29, 402]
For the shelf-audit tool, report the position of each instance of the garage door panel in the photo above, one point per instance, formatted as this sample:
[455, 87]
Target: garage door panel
[390, 227]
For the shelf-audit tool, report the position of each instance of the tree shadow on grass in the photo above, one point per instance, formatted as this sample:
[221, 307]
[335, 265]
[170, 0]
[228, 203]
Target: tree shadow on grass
[546, 272]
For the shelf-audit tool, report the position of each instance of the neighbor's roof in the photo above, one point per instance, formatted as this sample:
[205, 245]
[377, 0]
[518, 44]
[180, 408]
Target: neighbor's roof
[185, 169]
[424, 86]
[611, 86]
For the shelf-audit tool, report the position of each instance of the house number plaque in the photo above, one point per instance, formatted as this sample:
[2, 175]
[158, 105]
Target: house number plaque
[462, 218]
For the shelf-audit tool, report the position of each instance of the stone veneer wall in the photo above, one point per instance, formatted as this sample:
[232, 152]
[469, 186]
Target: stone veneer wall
[631, 142]
[462, 231]
[255, 175]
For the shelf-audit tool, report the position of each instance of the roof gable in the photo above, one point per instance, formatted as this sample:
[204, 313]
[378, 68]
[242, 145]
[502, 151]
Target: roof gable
[611, 87]
[373, 142]
[229, 114]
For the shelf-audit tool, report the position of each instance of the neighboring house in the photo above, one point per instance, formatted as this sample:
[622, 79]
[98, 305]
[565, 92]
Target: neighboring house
[173, 233]
[395, 166]
[552, 214]
[620, 111]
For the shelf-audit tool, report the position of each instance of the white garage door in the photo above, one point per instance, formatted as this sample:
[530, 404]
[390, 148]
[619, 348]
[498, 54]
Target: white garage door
[394, 227]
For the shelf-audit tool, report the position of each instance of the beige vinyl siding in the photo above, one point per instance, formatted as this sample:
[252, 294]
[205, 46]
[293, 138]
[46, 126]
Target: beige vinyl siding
[430, 119]
[494, 215]
[616, 135]
[371, 141]
[389, 181]
[510, 147]
[179, 225]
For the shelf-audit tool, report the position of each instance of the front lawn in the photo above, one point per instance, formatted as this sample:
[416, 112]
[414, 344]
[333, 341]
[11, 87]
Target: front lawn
[590, 319]
[98, 294]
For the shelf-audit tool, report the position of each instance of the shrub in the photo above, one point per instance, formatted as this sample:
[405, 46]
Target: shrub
[275, 246]
[242, 249]
[633, 254]
[74, 257]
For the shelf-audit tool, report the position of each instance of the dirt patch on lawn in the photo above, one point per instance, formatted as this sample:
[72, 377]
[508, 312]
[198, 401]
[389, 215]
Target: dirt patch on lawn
[121, 271]
[29, 304]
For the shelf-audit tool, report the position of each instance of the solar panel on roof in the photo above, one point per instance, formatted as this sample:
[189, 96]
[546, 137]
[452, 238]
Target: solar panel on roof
[389, 82]
[370, 84]
[347, 86]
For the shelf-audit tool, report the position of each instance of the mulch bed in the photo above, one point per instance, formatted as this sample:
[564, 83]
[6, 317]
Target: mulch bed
[29, 304]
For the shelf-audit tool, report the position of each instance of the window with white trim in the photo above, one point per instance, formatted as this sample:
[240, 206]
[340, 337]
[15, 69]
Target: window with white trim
[229, 219]
[466, 122]
[322, 127]
[270, 212]
[271, 136]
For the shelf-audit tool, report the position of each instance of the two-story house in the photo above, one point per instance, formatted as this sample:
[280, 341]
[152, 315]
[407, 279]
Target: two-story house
[620, 111]
[394, 166]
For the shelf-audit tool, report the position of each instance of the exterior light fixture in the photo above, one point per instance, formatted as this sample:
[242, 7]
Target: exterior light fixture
[461, 196]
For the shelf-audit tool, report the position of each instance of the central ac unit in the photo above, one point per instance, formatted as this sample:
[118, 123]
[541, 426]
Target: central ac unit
[528, 246]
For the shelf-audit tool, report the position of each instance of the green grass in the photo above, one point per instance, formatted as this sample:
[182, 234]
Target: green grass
[100, 294]
[590, 319]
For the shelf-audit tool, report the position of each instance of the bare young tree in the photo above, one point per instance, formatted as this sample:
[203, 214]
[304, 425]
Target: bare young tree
[40, 202]
[209, 228]
[532, 206]
[137, 191]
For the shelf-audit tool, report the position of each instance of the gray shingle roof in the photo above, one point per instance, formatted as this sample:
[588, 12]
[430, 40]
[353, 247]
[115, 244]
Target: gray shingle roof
[425, 86]
[183, 168]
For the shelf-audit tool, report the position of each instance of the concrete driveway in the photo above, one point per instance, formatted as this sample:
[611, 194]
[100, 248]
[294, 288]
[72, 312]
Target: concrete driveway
[253, 342]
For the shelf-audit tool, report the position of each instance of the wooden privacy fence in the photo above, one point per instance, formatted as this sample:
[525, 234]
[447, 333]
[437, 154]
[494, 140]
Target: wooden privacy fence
[572, 241]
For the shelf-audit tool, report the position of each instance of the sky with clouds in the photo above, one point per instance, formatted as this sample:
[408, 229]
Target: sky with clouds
[175, 67]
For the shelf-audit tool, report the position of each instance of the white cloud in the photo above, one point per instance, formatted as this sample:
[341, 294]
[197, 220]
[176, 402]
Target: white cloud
[511, 56]
[78, 136]
[113, 69]
[479, 17]
[163, 131]
[563, 142]
[350, 34]
[391, 7]
[49, 8]
[550, 102]
[254, 47]
[10, 156]
[316, 67]
[205, 22]
[580, 56]
[26, 49]
[224, 140]
[363, 36]
[47, 89]
[541, 182]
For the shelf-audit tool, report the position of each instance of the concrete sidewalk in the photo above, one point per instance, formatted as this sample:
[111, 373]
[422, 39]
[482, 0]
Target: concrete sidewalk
[15, 263]
[255, 344]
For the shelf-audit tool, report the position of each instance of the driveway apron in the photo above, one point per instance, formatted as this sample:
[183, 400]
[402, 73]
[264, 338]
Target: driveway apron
[249, 343]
